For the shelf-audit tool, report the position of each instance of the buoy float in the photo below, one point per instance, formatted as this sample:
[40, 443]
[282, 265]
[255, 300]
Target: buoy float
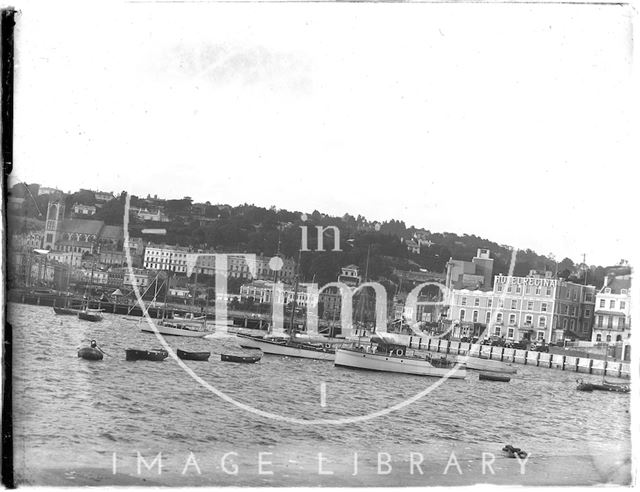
[90, 353]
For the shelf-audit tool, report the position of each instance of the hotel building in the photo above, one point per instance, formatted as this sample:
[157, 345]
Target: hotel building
[535, 307]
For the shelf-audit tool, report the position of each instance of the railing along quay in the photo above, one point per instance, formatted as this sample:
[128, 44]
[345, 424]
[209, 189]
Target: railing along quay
[526, 357]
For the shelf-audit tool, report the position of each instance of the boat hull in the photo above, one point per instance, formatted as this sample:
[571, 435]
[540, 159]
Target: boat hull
[154, 355]
[388, 363]
[493, 377]
[479, 364]
[94, 317]
[201, 356]
[90, 353]
[251, 359]
[275, 348]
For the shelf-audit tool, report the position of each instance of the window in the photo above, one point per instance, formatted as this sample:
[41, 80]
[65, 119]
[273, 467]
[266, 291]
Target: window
[608, 338]
[575, 295]
[599, 321]
[488, 318]
[623, 304]
[623, 291]
[587, 313]
[501, 303]
[598, 337]
[475, 316]
[499, 288]
[529, 305]
[607, 290]
[565, 309]
[528, 319]
[568, 294]
[541, 335]
[612, 304]
[499, 318]
[609, 321]
[542, 322]
[619, 338]
[601, 303]
[509, 288]
[489, 302]
[512, 319]
[476, 301]
[565, 322]
[549, 291]
[462, 313]
[573, 310]
[572, 324]
[543, 307]
[510, 333]
[621, 323]
[528, 289]
[463, 301]
[514, 304]
[538, 290]
[496, 330]
[519, 289]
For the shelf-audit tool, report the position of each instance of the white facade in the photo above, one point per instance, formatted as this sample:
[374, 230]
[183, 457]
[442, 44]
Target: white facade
[263, 292]
[613, 316]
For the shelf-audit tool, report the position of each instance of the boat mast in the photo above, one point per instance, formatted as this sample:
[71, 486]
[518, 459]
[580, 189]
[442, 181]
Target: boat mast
[295, 297]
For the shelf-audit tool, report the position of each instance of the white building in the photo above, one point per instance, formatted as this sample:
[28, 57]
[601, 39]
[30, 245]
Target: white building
[262, 291]
[613, 311]
[84, 210]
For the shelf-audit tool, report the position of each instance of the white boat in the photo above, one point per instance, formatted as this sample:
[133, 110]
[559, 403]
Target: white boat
[176, 329]
[288, 348]
[396, 360]
[189, 318]
[480, 364]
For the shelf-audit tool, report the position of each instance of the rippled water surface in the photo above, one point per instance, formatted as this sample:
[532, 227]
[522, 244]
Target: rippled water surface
[68, 410]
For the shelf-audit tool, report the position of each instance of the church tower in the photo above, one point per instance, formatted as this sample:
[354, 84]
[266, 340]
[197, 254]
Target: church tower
[55, 216]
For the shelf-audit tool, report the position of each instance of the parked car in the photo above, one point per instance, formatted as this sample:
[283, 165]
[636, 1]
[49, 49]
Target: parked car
[469, 340]
[519, 345]
[539, 347]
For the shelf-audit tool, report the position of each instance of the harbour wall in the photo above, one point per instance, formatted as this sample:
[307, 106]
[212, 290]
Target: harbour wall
[526, 357]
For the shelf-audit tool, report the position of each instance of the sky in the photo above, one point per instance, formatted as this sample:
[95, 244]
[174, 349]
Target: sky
[508, 121]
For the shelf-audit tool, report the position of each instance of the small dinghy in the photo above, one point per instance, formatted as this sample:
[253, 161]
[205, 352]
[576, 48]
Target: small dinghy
[193, 355]
[90, 353]
[89, 315]
[487, 376]
[156, 355]
[244, 359]
[605, 386]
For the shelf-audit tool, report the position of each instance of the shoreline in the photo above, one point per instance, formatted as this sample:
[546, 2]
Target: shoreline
[547, 470]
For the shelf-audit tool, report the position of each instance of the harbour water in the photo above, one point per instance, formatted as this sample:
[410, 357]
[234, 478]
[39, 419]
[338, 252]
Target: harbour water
[73, 413]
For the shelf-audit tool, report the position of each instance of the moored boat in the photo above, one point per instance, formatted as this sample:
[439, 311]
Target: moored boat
[289, 348]
[604, 386]
[396, 360]
[90, 315]
[480, 364]
[244, 359]
[155, 355]
[201, 356]
[166, 327]
[487, 376]
[90, 353]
